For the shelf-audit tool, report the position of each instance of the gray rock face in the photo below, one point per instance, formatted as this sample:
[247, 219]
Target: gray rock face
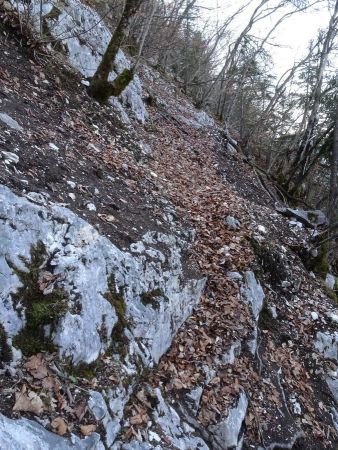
[333, 386]
[24, 434]
[85, 39]
[10, 122]
[309, 218]
[199, 120]
[179, 433]
[253, 293]
[10, 157]
[227, 434]
[330, 281]
[327, 344]
[86, 262]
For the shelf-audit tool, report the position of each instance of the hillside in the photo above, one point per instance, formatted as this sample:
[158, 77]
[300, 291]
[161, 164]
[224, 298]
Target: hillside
[151, 293]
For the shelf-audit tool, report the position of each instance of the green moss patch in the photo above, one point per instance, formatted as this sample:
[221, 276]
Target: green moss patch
[5, 349]
[151, 298]
[40, 310]
[116, 299]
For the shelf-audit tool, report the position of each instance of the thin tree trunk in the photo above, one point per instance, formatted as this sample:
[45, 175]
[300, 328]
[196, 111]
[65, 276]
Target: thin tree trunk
[100, 88]
[332, 211]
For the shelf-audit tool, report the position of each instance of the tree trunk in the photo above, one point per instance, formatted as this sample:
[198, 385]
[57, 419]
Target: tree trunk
[305, 147]
[100, 88]
[332, 211]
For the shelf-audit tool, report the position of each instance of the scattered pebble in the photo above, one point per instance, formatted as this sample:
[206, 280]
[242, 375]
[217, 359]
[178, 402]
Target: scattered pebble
[91, 207]
[53, 146]
[232, 223]
[71, 184]
[10, 157]
[261, 229]
[314, 315]
[10, 122]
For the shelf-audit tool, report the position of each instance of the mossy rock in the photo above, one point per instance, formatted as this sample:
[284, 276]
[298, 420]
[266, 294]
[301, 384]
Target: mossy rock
[319, 263]
[5, 349]
[40, 310]
[151, 298]
[116, 299]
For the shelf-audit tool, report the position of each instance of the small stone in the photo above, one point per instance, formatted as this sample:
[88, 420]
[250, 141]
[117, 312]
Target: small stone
[10, 157]
[72, 196]
[125, 167]
[154, 436]
[273, 311]
[296, 407]
[91, 207]
[94, 147]
[53, 146]
[226, 250]
[330, 281]
[10, 122]
[232, 223]
[295, 224]
[234, 276]
[261, 229]
[314, 315]
[96, 191]
[71, 184]
[85, 83]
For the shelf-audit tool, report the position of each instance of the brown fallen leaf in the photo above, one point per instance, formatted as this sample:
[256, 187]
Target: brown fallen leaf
[28, 402]
[80, 410]
[87, 430]
[36, 366]
[59, 426]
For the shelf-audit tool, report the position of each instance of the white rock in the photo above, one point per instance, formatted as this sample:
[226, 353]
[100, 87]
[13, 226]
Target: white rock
[24, 434]
[10, 157]
[53, 146]
[253, 293]
[330, 281]
[333, 317]
[179, 433]
[226, 434]
[10, 122]
[232, 223]
[91, 207]
[71, 184]
[327, 344]
[85, 38]
[314, 315]
[86, 262]
[273, 311]
[295, 224]
[85, 83]
[234, 275]
[72, 196]
[261, 229]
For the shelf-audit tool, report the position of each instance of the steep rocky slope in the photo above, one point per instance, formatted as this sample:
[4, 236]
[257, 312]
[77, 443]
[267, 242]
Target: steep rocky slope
[151, 296]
